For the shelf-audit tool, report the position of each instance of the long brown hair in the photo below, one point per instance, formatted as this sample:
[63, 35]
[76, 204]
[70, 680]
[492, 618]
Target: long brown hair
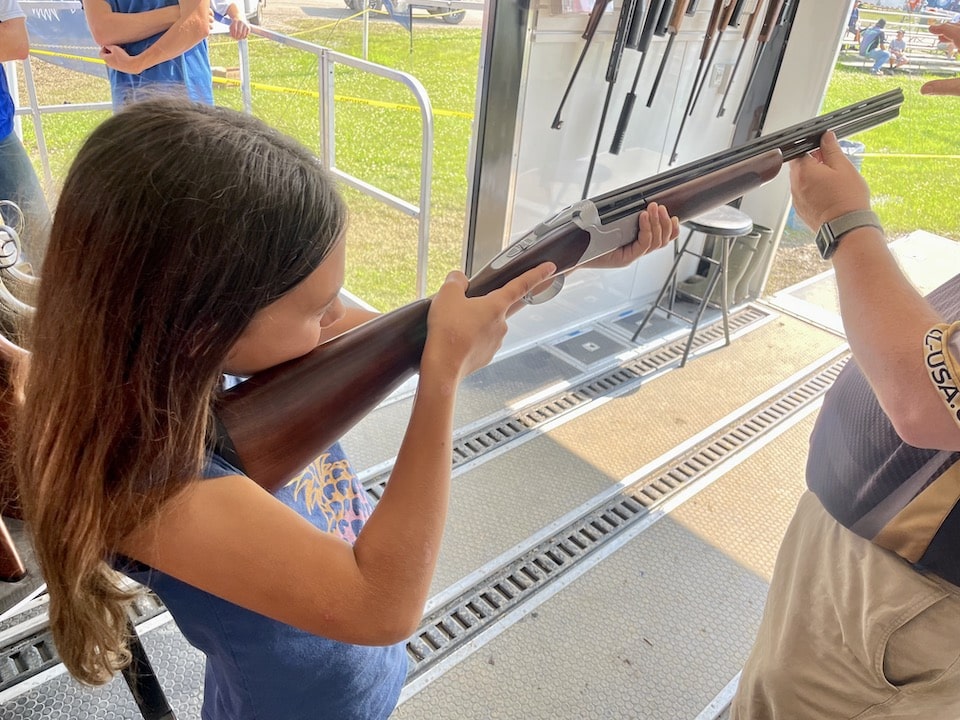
[176, 223]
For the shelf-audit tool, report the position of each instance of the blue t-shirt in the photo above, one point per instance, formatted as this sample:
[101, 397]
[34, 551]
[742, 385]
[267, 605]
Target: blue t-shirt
[6, 107]
[262, 669]
[188, 73]
[9, 9]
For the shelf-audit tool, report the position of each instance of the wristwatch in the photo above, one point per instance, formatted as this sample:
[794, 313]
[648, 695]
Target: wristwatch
[830, 233]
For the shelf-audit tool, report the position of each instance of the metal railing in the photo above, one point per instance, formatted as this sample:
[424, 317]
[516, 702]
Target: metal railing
[327, 60]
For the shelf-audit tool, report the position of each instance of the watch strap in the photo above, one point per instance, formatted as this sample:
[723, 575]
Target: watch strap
[853, 220]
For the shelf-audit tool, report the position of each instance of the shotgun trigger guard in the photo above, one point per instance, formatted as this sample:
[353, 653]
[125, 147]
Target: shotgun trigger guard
[549, 294]
[534, 236]
[602, 241]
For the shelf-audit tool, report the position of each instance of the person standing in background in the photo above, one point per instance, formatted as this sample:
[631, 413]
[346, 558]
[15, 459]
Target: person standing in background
[153, 46]
[18, 179]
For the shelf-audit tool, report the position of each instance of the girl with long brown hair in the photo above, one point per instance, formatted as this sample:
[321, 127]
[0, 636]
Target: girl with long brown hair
[191, 242]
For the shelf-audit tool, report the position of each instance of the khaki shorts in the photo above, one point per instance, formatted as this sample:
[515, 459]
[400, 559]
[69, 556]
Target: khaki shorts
[850, 630]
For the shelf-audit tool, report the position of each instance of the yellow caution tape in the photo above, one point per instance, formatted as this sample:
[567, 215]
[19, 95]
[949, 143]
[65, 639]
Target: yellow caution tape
[914, 156]
[344, 98]
[285, 90]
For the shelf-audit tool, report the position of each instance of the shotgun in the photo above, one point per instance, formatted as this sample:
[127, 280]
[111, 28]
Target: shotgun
[672, 29]
[620, 37]
[277, 422]
[592, 22]
[712, 24]
[722, 25]
[770, 23]
[738, 8]
[747, 29]
[642, 44]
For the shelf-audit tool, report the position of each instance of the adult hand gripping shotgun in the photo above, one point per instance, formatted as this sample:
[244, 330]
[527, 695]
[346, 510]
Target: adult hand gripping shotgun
[277, 422]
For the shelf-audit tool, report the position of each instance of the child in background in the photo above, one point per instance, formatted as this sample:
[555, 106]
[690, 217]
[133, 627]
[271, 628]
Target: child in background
[898, 49]
[233, 16]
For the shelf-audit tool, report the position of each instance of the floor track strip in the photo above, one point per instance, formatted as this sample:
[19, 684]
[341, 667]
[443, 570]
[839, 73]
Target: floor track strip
[457, 623]
[468, 447]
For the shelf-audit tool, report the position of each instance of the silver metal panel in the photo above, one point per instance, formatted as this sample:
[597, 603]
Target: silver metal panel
[503, 57]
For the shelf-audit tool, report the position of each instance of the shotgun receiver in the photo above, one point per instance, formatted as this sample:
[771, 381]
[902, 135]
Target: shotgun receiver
[276, 423]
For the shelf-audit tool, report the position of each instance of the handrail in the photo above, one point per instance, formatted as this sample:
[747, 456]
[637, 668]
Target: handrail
[327, 59]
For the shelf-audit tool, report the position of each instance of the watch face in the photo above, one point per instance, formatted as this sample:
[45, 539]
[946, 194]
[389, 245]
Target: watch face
[826, 243]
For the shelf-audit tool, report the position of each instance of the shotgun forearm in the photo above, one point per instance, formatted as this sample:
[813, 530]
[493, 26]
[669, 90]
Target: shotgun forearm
[276, 423]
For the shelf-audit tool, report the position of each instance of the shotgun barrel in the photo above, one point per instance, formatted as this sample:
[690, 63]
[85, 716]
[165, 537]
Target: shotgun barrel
[715, 12]
[280, 420]
[592, 22]
[747, 29]
[724, 22]
[770, 23]
[672, 29]
[620, 36]
[643, 45]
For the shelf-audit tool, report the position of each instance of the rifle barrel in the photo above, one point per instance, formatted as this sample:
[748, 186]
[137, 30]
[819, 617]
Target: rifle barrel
[278, 421]
[624, 22]
[594, 20]
[792, 141]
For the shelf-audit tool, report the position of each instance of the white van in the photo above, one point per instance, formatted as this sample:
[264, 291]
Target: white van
[253, 10]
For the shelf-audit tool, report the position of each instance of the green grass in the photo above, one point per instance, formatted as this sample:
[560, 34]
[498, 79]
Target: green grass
[909, 193]
[381, 145]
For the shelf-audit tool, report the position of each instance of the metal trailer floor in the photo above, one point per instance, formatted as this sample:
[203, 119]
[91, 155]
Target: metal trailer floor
[613, 523]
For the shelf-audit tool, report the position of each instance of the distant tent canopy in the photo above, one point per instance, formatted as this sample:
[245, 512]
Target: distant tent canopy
[62, 37]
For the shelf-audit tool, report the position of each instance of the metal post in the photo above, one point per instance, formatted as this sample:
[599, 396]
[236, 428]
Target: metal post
[37, 124]
[327, 121]
[366, 27]
[245, 76]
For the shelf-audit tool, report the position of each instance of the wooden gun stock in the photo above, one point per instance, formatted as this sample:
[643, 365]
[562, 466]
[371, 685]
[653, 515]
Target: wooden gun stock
[276, 423]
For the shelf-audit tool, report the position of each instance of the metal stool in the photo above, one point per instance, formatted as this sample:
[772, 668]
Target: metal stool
[722, 227]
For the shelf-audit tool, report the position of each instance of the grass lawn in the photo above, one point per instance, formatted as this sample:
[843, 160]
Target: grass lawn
[378, 139]
[909, 192]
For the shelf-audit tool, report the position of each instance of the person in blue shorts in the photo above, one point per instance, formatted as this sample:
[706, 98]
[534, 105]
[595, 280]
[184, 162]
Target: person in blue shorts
[153, 46]
[18, 179]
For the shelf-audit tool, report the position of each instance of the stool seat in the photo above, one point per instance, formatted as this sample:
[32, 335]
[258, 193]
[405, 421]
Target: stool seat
[722, 226]
[725, 220]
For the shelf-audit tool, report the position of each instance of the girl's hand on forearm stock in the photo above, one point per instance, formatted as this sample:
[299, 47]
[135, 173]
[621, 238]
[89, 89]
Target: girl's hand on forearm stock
[655, 228]
[463, 334]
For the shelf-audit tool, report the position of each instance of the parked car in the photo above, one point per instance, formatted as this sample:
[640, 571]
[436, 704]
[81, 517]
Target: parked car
[445, 8]
[253, 9]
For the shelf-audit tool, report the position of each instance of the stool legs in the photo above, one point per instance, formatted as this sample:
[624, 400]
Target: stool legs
[670, 283]
[719, 275]
[724, 282]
